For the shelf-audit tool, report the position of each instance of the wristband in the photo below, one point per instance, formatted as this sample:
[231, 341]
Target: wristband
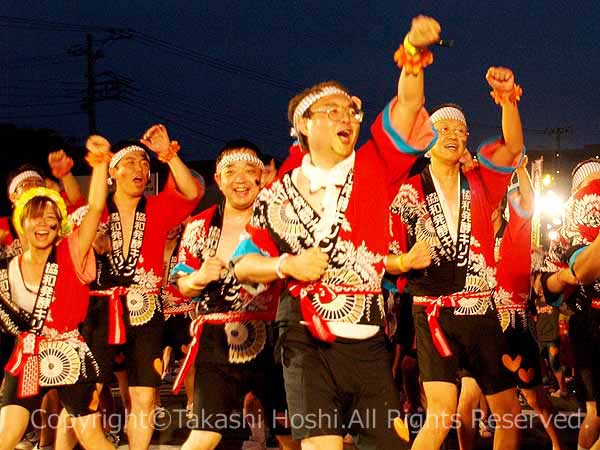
[280, 261]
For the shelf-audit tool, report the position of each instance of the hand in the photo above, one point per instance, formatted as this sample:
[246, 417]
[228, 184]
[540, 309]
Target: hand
[4, 234]
[101, 244]
[97, 144]
[500, 79]
[467, 161]
[424, 31]
[60, 164]
[210, 271]
[157, 139]
[418, 257]
[309, 265]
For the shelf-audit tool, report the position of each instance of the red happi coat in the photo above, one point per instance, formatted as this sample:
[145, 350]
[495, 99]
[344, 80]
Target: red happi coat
[50, 351]
[284, 222]
[513, 271]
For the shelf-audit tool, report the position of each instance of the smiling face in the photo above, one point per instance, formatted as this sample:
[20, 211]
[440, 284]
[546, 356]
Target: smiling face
[132, 173]
[239, 181]
[331, 141]
[41, 223]
[452, 141]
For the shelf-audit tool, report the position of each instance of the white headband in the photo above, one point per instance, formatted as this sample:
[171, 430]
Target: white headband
[448, 112]
[311, 99]
[239, 155]
[582, 172]
[21, 177]
[124, 152]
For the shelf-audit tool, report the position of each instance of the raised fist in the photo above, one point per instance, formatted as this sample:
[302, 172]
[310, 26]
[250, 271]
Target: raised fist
[97, 144]
[500, 79]
[60, 164]
[157, 139]
[424, 31]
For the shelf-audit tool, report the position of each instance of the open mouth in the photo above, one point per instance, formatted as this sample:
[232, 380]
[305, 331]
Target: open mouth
[345, 136]
[452, 147]
[41, 235]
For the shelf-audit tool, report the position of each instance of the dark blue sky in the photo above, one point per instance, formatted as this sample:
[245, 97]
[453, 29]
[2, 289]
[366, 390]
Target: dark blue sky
[226, 69]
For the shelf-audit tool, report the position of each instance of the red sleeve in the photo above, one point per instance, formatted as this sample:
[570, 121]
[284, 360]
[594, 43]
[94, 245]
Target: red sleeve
[515, 250]
[4, 226]
[397, 153]
[495, 178]
[172, 206]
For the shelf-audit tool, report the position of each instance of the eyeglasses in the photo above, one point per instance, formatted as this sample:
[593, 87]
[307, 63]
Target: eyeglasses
[460, 132]
[339, 113]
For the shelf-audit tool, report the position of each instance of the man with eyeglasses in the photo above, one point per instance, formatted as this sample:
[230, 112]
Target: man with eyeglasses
[323, 228]
[451, 213]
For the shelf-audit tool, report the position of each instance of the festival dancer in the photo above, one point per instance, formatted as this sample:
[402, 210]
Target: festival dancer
[230, 346]
[455, 322]
[323, 229]
[571, 273]
[130, 274]
[44, 299]
[513, 273]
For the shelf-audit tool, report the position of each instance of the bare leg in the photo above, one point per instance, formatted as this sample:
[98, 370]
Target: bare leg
[441, 405]
[139, 426]
[505, 405]
[66, 439]
[13, 424]
[588, 433]
[201, 440]
[468, 401]
[323, 443]
[89, 432]
[51, 408]
[536, 398]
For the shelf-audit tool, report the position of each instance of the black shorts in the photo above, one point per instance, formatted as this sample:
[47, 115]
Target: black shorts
[7, 343]
[140, 356]
[584, 334]
[177, 334]
[220, 388]
[79, 399]
[522, 343]
[477, 345]
[340, 388]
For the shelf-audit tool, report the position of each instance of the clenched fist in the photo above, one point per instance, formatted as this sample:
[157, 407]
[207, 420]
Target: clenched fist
[418, 257]
[97, 144]
[157, 139]
[500, 79]
[424, 31]
[210, 271]
[309, 265]
[60, 164]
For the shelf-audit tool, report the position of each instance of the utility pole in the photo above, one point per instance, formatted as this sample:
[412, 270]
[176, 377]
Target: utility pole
[91, 79]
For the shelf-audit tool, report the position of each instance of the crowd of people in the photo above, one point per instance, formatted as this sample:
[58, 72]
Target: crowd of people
[313, 298]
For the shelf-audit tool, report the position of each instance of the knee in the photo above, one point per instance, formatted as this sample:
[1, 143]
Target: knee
[202, 440]
[142, 398]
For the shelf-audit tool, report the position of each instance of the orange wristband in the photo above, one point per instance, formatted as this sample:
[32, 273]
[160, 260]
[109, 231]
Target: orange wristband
[167, 155]
[511, 97]
[413, 64]
[93, 159]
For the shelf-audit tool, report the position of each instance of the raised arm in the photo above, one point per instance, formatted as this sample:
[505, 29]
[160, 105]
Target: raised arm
[506, 92]
[525, 197]
[157, 140]
[424, 31]
[61, 165]
[98, 157]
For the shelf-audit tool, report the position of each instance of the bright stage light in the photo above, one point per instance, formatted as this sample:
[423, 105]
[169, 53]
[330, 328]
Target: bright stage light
[547, 180]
